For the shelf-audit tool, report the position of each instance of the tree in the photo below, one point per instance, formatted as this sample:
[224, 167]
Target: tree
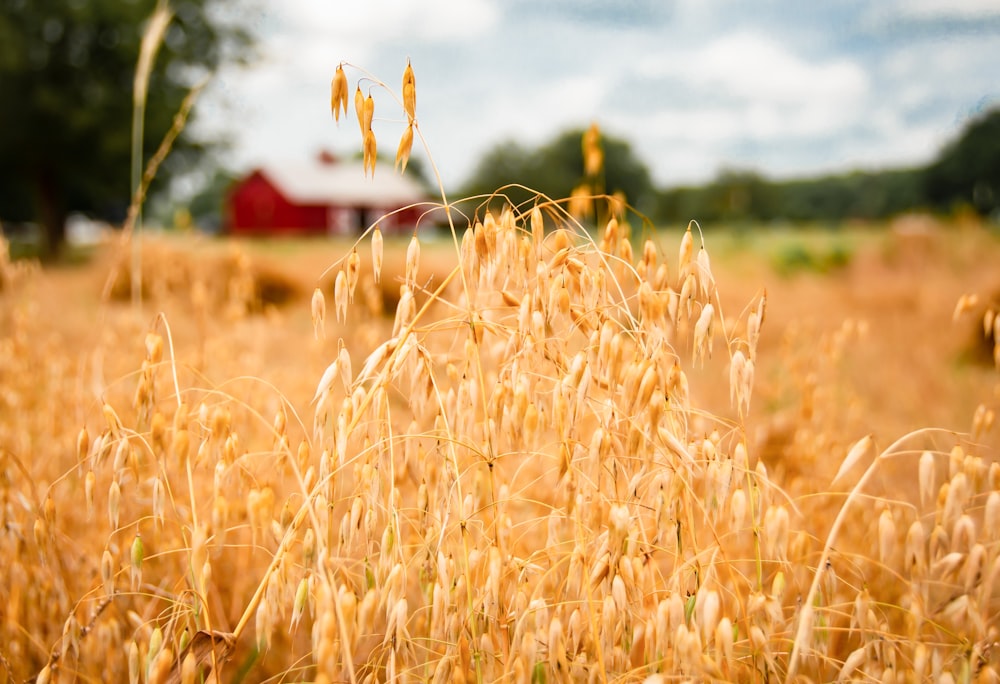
[66, 74]
[967, 171]
[556, 167]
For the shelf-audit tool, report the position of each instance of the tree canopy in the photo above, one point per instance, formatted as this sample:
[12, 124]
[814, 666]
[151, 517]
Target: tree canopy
[737, 195]
[557, 167]
[967, 171]
[66, 74]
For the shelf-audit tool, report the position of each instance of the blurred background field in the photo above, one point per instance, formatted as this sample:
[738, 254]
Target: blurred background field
[907, 362]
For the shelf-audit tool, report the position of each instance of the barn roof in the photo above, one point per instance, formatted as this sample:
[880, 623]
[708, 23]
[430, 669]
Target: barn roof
[343, 182]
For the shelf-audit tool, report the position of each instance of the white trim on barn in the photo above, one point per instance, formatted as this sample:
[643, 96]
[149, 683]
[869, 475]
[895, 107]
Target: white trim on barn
[325, 195]
[343, 183]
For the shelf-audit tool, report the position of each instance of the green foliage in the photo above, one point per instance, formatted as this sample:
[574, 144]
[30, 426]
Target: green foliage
[967, 172]
[798, 257]
[746, 196]
[66, 73]
[556, 167]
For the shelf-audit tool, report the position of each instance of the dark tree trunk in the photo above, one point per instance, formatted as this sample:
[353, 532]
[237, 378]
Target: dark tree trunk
[51, 210]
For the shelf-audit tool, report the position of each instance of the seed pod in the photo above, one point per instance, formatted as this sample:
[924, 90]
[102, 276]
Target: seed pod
[370, 151]
[369, 113]
[299, 606]
[685, 253]
[708, 613]
[403, 151]
[338, 93]
[318, 307]
[991, 516]
[703, 333]
[746, 382]
[776, 532]
[135, 557]
[180, 446]
[974, 565]
[859, 449]
[963, 533]
[340, 296]
[159, 502]
[108, 573]
[736, 366]
[344, 362]
[262, 624]
[412, 260]
[705, 278]
[649, 254]
[686, 298]
[82, 445]
[886, 536]
[359, 108]
[189, 668]
[593, 156]
[753, 333]
[353, 273]
[927, 472]
[114, 501]
[409, 92]
[956, 458]
[133, 662]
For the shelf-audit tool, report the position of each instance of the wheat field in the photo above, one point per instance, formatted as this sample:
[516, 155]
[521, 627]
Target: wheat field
[528, 452]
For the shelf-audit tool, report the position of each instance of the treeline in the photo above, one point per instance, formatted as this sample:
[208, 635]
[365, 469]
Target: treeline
[750, 196]
[964, 176]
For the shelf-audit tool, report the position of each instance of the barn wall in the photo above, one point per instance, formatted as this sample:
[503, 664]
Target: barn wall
[256, 207]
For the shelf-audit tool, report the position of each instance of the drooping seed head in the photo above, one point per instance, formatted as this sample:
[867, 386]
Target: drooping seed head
[108, 573]
[926, 476]
[359, 108]
[135, 559]
[886, 536]
[353, 273]
[412, 260]
[703, 333]
[338, 93]
[409, 93]
[318, 308]
[368, 113]
[403, 151]
[370, 149]
[114, 503]
[685, 253]
[340, 296]
[705, 278]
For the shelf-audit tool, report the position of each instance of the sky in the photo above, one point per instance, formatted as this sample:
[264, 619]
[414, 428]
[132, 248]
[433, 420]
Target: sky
[784, 87]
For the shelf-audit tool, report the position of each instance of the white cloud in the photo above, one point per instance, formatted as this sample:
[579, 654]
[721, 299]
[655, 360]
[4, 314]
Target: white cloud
[376, 21]
[746, 86]
[754, 67]
[749, 66]
[548, 107]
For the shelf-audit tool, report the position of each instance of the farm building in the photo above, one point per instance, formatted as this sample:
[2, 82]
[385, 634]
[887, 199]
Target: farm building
[324, 197]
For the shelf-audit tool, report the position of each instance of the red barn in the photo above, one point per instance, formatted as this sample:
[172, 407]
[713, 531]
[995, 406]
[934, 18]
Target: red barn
[324, 197]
